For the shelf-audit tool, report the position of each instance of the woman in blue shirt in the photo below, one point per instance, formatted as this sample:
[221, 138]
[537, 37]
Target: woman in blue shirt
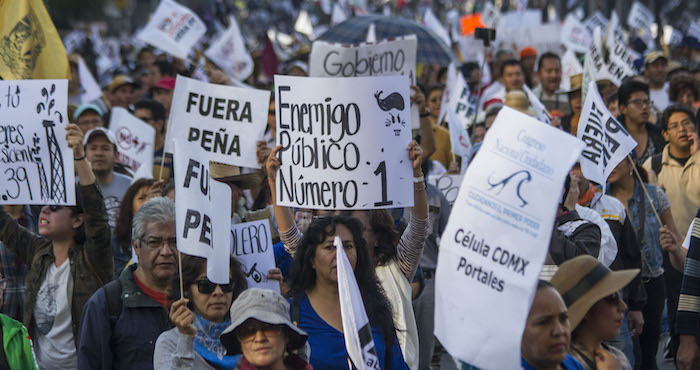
[315, 304]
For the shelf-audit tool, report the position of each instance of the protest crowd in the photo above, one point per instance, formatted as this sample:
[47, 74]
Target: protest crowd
[351, 184]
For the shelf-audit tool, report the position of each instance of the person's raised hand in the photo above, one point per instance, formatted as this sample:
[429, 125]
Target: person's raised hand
[418, 98]
[635, 322]
[573, 194]
[155, 190]
[415, 154]
[262, 152]
[74, 137]
[694, 142]
[668, 240]
[275, 274]
[272, 165]
[182, 317]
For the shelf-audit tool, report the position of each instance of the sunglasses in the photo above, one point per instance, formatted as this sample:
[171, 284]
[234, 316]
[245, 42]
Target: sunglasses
[613, 298]
[247, 331]
[207, 287]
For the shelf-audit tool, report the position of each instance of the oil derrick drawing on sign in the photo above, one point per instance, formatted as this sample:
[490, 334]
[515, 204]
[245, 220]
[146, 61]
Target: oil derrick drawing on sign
[55, 188]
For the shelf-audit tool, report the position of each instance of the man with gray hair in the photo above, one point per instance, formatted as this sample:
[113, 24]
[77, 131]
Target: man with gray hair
[122, 320]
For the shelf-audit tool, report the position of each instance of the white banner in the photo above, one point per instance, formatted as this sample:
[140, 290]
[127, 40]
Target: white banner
[537, 105]
[230, 54]
[434, 24]
[596, 19]
[459, 106]
[338, 15]
[89, 88]
[202, 212]
[448, 185]
[344, 142]
[356, 330]
[224, 121]
[135, 141]
[36, 165]
[607, 141]
[497, 237]
[574, 35]
[251, 244]
[173, 28]
[640, 16]
[570, 66]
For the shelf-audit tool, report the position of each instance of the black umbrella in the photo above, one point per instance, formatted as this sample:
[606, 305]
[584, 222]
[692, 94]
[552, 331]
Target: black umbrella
[431, 49]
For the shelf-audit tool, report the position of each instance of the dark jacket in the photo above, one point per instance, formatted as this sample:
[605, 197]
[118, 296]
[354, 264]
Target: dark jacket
[573, 236]
[132, 340]
[629, 256]
[656, 139]
[90, 263]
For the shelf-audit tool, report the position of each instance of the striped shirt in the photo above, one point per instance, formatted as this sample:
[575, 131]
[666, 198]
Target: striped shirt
[688, 316]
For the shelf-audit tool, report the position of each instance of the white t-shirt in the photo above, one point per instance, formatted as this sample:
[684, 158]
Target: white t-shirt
[660, 98]
[54, 324]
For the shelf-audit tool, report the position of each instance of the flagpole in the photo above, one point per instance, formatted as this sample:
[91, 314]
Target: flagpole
[639, 177]
[179, 266]
[478, 99]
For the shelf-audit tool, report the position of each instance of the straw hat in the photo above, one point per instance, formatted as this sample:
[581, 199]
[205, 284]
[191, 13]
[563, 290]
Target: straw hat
[583, 281]
[517, 99]
[265, 306]
[575, 81]
[232, 174]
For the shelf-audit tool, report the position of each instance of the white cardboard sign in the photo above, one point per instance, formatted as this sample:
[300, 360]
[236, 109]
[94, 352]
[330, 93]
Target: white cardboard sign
[173, 28]
[36, 165]
[596, 19]
[202, 212]
[607, 141]
[251, 244]
[224, 121]
[497, 237]
[135, 141]
[574, 35]
[448, 185]
[344, 142]
[640, 16]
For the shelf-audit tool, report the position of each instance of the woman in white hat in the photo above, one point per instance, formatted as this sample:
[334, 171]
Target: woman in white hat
[261, 330]
[592, 295]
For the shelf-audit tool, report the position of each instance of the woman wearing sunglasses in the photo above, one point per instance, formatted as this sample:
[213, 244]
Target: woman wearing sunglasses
[261, 331]
[592, 295]
[199, 318]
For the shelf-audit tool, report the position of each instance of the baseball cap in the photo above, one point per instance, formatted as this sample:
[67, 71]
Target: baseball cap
[120, 81]
[654, 56]
[528, 51]
[166, 83]
[87, 107]
[99, 131]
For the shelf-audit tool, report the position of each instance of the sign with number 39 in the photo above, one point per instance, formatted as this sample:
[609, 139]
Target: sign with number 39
[36, 165]
[344, 142]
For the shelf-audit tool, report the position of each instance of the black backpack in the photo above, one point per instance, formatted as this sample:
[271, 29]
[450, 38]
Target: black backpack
[113, 294]
[656, 163]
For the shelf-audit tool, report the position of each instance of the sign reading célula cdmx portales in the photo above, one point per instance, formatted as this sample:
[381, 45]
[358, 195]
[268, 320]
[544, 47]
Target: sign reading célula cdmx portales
[344, 142]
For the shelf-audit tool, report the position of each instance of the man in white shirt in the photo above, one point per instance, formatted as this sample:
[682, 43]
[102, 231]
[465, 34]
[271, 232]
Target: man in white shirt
[655, 72]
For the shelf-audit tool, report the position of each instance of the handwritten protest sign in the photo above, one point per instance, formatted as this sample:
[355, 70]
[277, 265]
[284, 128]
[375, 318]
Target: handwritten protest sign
[202, 218]
[448, 185]
[230, 54]
[343, 142]
[574, 35]
[251, 244]
[640, 16]
[496, 239]
[135, 141]
[384, 58]
[607, 141]
[36, 165]
[223, 121]
[173, 28]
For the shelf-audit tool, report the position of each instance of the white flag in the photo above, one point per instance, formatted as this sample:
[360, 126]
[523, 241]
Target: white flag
[607, 141]
[459, 108]
[356, 330]
[303, 25]
[570, 66]
[435, 25]
[89, 88]
[230, 54]
[540, 109]
[173, 28]
[338, 15]
[371, 34]
[640, 16]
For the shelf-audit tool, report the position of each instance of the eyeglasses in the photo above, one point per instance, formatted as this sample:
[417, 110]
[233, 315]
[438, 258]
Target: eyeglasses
[247, 332]
[157, 243]
[613, 298]
[207, 287]
[685, 123]
[641, 102]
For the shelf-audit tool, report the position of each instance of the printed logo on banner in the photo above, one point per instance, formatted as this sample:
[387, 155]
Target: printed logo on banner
[343, 142]
[135, 141]
[448, 185]
[496, 238]
[251, 244]
[37, 165]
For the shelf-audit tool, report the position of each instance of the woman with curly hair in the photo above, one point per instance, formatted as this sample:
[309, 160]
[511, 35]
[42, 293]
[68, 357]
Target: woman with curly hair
[315, 304]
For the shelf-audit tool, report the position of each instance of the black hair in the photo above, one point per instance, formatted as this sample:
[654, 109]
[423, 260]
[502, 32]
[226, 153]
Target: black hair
[467, 69]
[680, 83]
[192, 267]
[511, 62]
[145, 49]
[612, 97]
[122, 229]
[166, 68]
[169, 186]
[382, 225]
[432, 87]
[157, 110]
[676, 108]
[547, 55]
[303, 275]
[628, 88]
